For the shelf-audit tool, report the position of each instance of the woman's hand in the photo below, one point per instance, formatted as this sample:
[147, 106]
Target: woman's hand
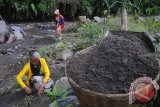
[27, 90]
[41, 89]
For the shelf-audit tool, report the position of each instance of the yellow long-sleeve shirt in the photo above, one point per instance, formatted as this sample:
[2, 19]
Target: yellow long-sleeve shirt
[27, 70]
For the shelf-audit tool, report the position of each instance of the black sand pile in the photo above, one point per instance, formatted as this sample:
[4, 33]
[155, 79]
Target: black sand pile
[111, 65]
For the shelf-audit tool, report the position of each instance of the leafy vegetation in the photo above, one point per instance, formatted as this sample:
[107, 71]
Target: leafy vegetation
[146, 7]
[25, 10]
[54, 94]
[91, 32]
[27, 100]
[52, 52]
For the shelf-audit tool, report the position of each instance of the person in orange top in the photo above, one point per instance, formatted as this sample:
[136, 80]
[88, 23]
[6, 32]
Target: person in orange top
[60, 23]
[36, 68]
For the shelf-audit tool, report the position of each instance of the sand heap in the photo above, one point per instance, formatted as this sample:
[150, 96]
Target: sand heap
[111, 65]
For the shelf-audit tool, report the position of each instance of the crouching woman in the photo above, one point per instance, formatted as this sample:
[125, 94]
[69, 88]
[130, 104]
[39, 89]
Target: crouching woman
[38, 74]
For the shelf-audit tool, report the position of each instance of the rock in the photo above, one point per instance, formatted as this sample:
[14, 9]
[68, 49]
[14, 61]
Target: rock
[141, 18]
[4, 51]
[98, 19]
[52, 104]
[50, 61]
[9, 50]
[20, 55]
[156, 18]
[16, 47]
[67, 53]
[18, 29]
[45, 26]
[57, 71]
[7, 84]
[152, 39]
[3, 30]
[69, 34]
[28, 27]
[18, 35]
[61, 85]
[70, 46]
[1, 80]
[158, 34]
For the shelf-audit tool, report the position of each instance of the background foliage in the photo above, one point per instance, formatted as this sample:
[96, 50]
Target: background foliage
[39, 10]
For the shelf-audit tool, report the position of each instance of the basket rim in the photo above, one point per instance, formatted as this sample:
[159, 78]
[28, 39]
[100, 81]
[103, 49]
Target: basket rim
[96, 93]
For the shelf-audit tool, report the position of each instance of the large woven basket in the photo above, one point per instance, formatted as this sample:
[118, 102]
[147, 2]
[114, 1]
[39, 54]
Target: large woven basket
[88, 98]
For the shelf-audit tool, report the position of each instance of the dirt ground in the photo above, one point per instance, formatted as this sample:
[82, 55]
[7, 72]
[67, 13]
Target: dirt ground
[20, 99]
[15, 55]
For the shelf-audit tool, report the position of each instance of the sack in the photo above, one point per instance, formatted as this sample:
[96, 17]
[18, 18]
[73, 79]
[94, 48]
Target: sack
[38, 80]
[61, 85]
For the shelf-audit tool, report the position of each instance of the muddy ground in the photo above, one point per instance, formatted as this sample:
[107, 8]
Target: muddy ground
[15, 55]
[12, 55]
[20, 99]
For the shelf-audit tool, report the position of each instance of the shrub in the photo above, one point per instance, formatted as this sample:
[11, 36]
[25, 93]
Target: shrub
[91, 32]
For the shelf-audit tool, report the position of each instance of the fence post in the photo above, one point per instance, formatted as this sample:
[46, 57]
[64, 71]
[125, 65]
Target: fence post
[124, 21]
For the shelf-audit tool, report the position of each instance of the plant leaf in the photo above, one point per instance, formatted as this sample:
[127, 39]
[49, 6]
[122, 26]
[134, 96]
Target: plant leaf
[34, 8]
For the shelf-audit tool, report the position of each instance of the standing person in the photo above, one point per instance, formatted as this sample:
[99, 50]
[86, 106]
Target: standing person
[60, 24]
[38, 74]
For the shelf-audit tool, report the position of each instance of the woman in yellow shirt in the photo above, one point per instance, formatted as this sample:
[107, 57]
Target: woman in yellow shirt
[36, 67]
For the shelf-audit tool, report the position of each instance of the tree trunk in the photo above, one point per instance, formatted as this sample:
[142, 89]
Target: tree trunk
[124, 20]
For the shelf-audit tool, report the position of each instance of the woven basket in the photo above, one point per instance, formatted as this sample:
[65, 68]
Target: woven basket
[88, 98]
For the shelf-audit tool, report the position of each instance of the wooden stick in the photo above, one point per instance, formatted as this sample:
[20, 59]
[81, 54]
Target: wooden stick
[124, 21]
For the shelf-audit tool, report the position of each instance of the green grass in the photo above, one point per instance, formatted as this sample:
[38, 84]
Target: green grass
[134, 24]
